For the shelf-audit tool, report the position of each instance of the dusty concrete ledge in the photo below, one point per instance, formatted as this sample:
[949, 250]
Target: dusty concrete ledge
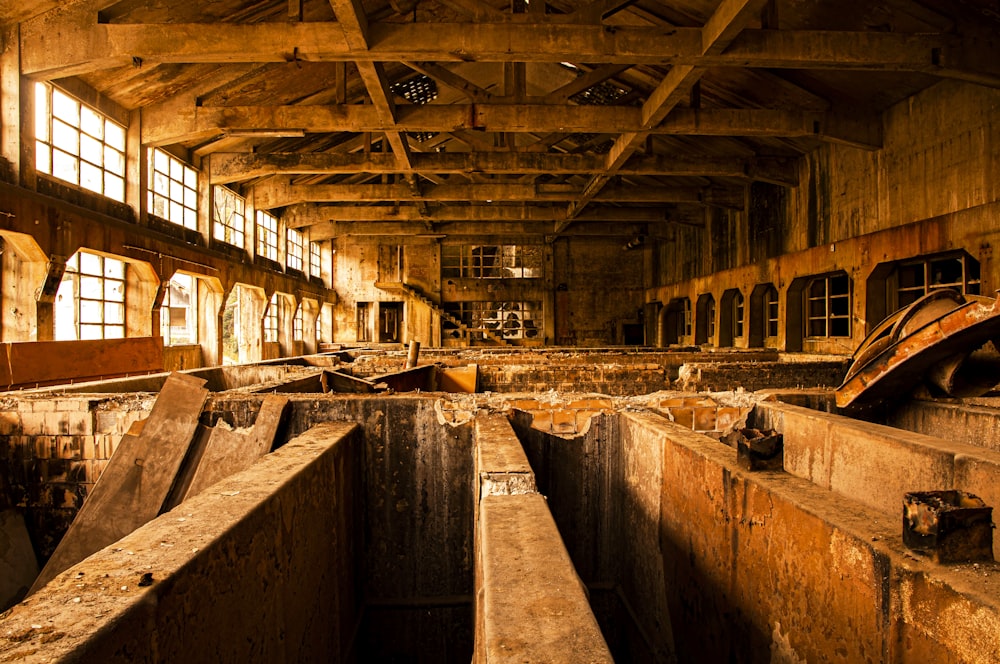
[530, 603]
[236, 574]
[972, 424]
[501, 463]
[534, 607]
[876, 464]
[774, 564]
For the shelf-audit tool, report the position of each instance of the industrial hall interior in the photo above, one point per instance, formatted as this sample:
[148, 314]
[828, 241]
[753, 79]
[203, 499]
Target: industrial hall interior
[499, 331]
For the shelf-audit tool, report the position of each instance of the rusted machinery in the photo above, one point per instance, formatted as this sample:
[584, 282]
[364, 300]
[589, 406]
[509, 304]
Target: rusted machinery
[937, 340]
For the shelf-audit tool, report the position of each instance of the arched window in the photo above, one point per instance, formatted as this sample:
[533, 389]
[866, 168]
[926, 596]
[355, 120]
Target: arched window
[179, 312]
[90, 302]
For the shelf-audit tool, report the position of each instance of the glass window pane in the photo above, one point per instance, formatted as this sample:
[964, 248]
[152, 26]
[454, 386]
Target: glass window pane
[191, 178]
[114, 187]
[91, 331]
[65, 166]
[114, 135]
[114, 332]
[114, 312]
[66, 137]
[41, 111]
[91, 150]
[91, 177]
[190, 198]
[161, 162]
[176, 170]
[114, 161]
[91, 122]
[114, 291]
[43, 158]
[91, 311]
[65, 107]
[190, 218]
[90, 264]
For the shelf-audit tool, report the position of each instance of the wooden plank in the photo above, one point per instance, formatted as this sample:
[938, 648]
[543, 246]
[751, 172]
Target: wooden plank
[134, 485]
[47, 362]
[227, 452]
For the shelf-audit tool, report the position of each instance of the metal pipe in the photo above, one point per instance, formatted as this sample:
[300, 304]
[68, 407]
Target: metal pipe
[411, 357]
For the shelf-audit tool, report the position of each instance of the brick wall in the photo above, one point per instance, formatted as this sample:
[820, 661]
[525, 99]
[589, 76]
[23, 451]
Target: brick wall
[53, 449]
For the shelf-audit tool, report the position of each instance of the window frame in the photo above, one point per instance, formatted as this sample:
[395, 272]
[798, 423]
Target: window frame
[830, 308]
[272, 315]
[294, 241]
[192, 310]
[100, 278]
[479, 316]
[266, 227]
[298, 322]
[506, 261]
[176, 187]
[771, 317]
[229, 221]
[315, 259]
[50, 124]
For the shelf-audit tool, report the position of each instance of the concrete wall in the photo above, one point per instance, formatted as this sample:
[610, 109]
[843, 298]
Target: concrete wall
[767, 567]
[235, 574]
[530, 603]
[929, 189]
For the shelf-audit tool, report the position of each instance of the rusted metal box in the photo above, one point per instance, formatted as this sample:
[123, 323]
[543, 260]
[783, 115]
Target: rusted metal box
[949, 526]
[759, 450]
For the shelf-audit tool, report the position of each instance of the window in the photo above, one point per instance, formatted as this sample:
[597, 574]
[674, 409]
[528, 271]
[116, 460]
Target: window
[229, 216]
[364, 321]
[491, 261]
[916, 278]
[315, 260]
[828, 306]
[173, 189]
[78, 144]
[297, 325]
[319, 330]
[293, 249]
[738, 315]
[710, 315]
[771, 311]
[686, 319]
[267, 235]
[509, 320]
[90, 303]
[271, 319]
[179, 313]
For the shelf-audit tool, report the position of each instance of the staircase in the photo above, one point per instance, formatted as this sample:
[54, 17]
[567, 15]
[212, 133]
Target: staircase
[415, 294]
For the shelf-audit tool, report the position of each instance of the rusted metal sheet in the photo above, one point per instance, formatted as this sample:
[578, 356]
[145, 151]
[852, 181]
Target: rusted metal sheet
[900, 353]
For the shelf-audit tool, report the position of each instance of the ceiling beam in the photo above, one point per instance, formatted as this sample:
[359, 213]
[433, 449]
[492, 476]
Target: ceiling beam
[273, 194]
[182, 120]
[225, 168]
[722, 27]
[312, 214]
[75, 44]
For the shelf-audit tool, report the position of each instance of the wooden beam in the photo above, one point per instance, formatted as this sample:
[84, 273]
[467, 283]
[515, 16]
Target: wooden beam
[444, 76]
[719, 31]
[584, 82]
[181, 120]
[66, 47]
[235, 167]
[272, 194]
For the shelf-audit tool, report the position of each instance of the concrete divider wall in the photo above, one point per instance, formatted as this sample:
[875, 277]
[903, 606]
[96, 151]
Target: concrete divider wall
[258, 568]
[416, 562]
[963, 423]
[530, 604]
[767, 567]
[876, 464]
[603, 488]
